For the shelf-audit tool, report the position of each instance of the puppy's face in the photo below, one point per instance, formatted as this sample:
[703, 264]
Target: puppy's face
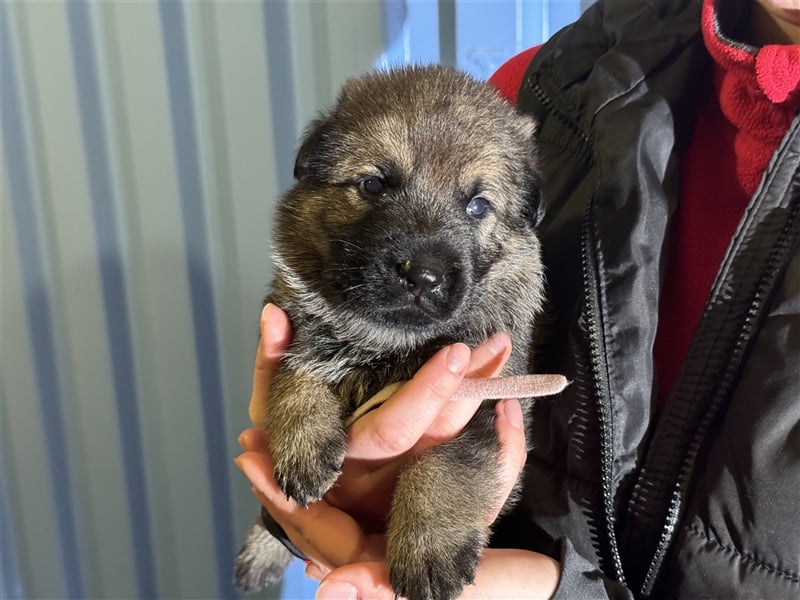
[413, 215]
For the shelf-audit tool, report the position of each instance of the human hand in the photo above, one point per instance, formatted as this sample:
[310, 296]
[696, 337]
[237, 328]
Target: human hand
[418, 416]
[343, 534]
[350, 561]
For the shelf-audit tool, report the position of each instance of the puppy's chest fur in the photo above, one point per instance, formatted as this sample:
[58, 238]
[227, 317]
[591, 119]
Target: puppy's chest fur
[352, 372]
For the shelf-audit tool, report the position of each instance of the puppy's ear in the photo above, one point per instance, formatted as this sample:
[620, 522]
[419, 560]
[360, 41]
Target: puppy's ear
[314, 137]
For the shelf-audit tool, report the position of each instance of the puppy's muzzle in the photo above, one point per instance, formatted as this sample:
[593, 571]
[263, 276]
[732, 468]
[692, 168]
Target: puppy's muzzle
[426, 276]
[421, 274]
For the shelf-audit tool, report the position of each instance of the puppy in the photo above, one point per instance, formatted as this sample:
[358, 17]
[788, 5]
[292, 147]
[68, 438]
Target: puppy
[411, 226]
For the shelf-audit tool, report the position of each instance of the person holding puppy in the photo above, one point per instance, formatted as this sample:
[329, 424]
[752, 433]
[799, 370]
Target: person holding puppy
[670, 144]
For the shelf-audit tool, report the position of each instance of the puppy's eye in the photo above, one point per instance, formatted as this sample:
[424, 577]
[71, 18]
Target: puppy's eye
[374, 186]
[478, 207]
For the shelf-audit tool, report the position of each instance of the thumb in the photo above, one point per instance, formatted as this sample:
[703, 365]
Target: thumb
[275, 334]
[359, 580]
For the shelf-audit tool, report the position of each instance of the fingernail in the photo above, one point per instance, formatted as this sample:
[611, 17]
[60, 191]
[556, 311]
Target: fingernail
[240, 440]
[313, 571]
[238, 462]
[272, 334]
[265, 317]
[457, 358]
[513, 412]
[336, 590]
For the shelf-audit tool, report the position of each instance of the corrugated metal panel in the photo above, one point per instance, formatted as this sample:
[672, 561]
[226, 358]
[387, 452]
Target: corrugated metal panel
[142, 146]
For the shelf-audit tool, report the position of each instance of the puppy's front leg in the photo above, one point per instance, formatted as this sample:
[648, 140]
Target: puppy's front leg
[438, 524]
[306, 435]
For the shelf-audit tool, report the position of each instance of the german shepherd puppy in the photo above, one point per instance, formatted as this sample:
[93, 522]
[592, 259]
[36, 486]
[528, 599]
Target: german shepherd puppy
[411, 226]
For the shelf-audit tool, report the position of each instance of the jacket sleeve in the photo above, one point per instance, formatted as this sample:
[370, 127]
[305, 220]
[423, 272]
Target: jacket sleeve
[579, 578]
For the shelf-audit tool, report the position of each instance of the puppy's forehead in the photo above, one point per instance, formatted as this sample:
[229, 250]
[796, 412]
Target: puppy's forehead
[385, 140]
[451, 139]
[432, 124]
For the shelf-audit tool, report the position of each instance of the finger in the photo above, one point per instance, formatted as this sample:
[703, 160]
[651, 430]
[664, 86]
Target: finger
[361, 580]
[313, 571]
[322, 532]
[328, 537]
[398, 424]
[252, 440]
[502, 573]
[511, 432]
[275, 334]
[507, 573]
[487, 360]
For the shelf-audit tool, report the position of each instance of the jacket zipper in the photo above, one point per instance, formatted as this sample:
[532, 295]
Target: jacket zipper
[754, 312]
[600, 381]
[597, 355]
[553, 110]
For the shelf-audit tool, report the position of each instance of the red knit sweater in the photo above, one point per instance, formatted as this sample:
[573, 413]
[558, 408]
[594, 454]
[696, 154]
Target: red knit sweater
[740, 122]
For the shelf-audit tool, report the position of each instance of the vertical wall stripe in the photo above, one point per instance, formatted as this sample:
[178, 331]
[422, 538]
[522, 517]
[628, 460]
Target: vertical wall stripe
[448, 53]
[10, 584]
[281, 85]
[200, 284]
[10, 576]
[115, 299]
[38, 303]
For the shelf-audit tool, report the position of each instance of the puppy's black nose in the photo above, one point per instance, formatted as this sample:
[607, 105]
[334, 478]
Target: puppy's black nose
[421, 274]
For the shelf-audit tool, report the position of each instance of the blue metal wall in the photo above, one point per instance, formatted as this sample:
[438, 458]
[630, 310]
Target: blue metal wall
[142, 146]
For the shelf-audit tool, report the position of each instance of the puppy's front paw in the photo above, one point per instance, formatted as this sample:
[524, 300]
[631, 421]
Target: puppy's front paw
[429, 566]
[306, 435]
[309, 470]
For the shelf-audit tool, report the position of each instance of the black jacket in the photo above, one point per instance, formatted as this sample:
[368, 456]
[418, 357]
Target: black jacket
[705, 500]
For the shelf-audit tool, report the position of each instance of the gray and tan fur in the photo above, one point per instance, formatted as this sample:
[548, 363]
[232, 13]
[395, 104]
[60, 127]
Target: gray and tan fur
[411, 226]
